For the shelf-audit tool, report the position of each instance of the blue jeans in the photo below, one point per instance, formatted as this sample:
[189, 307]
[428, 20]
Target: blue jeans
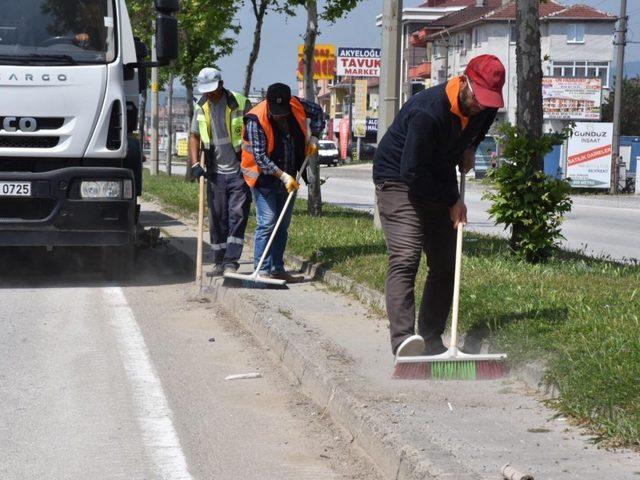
[269, 203]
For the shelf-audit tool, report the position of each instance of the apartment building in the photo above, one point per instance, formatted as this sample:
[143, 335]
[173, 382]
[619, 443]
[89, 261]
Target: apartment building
[577, 42]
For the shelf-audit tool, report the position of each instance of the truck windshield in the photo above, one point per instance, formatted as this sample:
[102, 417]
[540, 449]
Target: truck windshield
[55, 32]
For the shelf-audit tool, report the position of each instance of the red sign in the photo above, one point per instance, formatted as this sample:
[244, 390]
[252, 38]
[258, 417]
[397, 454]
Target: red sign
[344, 137]
[590, 155]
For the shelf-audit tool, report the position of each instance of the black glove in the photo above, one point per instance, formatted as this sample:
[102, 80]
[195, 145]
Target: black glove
[198, 171]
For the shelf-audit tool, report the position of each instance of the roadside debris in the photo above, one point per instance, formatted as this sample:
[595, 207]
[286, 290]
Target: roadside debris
[510, 473]
[243, 376]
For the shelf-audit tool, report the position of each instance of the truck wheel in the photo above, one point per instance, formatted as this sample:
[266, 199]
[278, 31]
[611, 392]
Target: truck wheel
[118, 263]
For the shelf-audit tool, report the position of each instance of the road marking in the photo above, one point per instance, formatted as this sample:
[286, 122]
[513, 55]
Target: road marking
[154, 414]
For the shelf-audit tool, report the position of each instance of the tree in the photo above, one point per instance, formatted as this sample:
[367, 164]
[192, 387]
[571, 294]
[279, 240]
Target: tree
[333, 10]
[529, 70]
[203, 34]
[629, 118]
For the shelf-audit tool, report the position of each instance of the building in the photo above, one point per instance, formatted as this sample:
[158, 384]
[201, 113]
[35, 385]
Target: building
[576, 41]
[415, 72]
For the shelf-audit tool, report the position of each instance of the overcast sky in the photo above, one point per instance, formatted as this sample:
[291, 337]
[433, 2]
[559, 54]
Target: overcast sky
[281, 36]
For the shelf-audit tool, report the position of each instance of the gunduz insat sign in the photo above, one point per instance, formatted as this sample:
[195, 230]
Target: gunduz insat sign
[358, 62]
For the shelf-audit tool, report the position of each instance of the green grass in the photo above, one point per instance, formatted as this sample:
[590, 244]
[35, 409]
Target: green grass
[579, 316]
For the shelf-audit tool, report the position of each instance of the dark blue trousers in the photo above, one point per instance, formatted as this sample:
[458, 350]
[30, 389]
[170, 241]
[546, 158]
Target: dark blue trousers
[229, 201]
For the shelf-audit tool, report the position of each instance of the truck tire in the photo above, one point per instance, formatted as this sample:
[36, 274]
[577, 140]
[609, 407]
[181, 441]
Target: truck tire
[118, 263]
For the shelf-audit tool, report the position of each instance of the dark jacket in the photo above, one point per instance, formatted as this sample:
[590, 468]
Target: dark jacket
[425, 143]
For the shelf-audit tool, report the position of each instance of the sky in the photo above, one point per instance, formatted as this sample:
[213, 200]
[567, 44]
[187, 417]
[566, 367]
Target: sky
[281, 35]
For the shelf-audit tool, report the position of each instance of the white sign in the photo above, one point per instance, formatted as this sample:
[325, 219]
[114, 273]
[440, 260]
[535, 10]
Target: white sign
[358, 62]
[589, 155]
[571, 98]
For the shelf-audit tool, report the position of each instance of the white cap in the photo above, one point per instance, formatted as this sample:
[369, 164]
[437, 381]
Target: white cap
[208, 79]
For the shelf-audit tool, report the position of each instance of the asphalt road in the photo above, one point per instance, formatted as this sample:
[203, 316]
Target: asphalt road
[596, 225]
[127, 381]
[600, 226]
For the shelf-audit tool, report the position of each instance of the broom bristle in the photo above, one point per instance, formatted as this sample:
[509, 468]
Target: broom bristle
[447, 370]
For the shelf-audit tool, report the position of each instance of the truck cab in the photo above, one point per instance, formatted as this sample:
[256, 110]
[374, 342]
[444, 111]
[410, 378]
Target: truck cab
[71, 75]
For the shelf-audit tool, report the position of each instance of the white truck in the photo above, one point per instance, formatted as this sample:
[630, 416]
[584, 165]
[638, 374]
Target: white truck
[71, 74]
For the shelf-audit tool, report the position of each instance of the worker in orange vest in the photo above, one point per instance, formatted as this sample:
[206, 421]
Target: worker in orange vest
[275, 138]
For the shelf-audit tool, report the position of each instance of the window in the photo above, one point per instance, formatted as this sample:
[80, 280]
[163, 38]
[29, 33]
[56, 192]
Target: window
[513, 34]
[581, 70]
[476, 37]
[575, 33]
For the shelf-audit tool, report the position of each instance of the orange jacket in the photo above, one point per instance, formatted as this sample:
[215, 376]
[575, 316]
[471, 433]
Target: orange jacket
[250, 169]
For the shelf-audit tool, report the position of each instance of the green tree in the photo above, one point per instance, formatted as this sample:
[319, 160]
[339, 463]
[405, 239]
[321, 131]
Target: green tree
[630, 120]
[333, 10]
[205, 32]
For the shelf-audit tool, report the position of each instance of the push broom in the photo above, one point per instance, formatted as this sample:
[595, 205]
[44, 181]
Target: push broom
[453, 364]
[255, 278]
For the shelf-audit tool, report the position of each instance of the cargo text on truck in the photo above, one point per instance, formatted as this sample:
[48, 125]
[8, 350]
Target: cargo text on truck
[71, 73]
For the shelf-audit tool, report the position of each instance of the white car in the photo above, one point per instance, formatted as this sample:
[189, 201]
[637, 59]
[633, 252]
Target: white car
[328, 153]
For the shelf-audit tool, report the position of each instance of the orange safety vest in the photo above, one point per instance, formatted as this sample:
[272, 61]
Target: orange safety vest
[250, 169]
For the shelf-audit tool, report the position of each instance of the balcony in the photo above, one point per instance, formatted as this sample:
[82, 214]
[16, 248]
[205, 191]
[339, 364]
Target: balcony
[420, 71]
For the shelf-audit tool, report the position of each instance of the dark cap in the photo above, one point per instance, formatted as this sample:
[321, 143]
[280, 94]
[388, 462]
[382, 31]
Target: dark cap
[278, 99]
[486, 73]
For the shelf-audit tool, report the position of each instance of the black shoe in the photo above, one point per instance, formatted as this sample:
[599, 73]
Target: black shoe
[434, 346]
[230, 269]
[287, 277]
[216, 271]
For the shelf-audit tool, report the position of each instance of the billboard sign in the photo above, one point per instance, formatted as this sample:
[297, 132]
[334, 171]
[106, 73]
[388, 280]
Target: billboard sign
[589, 155]
[571, 98]
[360, 109]
[359, 62]
[324, 62]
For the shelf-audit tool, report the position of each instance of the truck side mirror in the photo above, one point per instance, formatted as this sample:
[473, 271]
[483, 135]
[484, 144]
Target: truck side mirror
[166, 38]
[141, 53]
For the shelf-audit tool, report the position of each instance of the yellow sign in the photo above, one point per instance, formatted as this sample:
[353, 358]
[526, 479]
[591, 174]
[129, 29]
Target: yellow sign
[182, 144]
[324, 62]
[360, 109]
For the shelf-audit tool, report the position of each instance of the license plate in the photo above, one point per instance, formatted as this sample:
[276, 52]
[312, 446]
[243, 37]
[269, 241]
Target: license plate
[15, 189]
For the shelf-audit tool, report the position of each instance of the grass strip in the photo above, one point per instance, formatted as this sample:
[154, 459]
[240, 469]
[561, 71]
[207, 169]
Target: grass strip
[579, 315]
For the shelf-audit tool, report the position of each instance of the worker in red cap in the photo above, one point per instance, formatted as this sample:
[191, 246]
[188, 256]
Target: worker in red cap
[414, 172]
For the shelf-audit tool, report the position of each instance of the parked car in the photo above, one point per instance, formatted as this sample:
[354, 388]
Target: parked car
[328, 153]
[367, 151]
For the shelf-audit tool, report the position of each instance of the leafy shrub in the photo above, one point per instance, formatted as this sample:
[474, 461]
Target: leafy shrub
[526, 199]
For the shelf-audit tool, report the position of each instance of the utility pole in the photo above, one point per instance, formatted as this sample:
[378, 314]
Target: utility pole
[169, 124]
[154, 109]
[620, 42]
[390, 68]
[389, 73]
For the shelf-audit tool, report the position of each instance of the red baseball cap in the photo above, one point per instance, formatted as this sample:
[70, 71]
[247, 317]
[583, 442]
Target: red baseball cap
[486, 73]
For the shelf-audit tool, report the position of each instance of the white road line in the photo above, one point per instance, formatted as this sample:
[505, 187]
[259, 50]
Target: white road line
[154, 414]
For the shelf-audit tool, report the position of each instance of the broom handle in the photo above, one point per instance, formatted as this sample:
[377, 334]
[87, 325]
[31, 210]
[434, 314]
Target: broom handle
[456, 282]
[200, 227]
[282, 214]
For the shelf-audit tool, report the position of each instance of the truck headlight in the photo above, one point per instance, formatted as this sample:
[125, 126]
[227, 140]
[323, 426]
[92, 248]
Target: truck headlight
[107, 189]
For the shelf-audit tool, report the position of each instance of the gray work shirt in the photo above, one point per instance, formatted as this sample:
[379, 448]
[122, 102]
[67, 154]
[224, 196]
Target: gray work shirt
[222, 154]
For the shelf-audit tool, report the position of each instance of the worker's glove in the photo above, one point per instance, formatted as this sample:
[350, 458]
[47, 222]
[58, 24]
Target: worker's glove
[312, 146]
[197, 171]
[290, 183]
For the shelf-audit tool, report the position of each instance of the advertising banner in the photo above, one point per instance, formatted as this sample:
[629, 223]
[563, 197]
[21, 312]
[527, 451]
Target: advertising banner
[589, 155]
[360, 109]
[344, 137]
[571, 98]
[359, 62]
[182, 144]
[372, 126]
[324, 62]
